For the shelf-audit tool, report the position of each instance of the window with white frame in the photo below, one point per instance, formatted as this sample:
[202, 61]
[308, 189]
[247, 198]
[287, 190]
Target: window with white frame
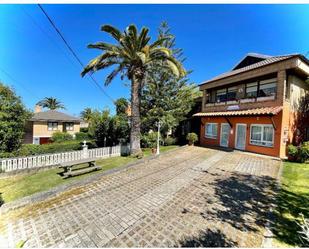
[69, 126]
[211, 130]
[262, 135]
[52, 126]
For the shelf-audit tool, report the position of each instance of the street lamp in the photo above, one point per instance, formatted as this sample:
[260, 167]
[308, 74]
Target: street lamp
[158, 138]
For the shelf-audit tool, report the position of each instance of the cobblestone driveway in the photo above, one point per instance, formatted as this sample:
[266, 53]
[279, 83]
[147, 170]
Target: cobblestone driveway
[190, 197]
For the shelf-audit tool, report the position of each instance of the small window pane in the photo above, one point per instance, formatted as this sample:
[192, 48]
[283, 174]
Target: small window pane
[251, 89]
[268, 133]
[211, 130]
[256, 133]
[268, 89]
[221, 95]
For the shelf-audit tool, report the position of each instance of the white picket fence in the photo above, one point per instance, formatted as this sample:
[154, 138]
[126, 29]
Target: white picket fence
[11, 164]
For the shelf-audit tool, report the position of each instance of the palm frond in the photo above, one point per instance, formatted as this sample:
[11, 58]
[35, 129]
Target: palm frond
[102, 46]
[143, 39]
[114, 32]
[98, 63]
[113, 74]
[158, 42]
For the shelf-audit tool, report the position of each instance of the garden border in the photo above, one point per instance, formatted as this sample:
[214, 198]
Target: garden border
[268, 234]
[53, 192]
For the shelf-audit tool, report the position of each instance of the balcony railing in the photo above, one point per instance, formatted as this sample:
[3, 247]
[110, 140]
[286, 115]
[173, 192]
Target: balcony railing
[241, 101]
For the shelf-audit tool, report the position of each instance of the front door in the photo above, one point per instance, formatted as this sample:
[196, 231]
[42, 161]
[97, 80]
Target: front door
[224, 135]
[240, 141]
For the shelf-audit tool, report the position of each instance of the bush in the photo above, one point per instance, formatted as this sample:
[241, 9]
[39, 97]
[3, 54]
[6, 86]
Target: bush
[36, 149]
[192, 137]
[81, 136]
[299, 153]
[61, 137]
[304, 152]
[292, 150]
[84, 129]
[149, 140]
[170, 141]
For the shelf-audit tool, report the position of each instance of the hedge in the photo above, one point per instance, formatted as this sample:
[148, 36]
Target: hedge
[34, 149]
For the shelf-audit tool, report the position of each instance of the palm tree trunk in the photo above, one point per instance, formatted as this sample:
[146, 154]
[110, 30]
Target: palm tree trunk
[135, 133]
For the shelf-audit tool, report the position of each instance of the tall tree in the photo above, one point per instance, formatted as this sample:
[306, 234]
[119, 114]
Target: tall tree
[13, 117]
[133, 55]
[165, 97]
[122, 105]
[51, 103]
[86, 114]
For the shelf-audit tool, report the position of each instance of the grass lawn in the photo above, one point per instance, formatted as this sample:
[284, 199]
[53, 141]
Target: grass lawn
[15, 187]
[293, 199]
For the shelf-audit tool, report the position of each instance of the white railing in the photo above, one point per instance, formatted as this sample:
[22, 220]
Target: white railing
[11, 164]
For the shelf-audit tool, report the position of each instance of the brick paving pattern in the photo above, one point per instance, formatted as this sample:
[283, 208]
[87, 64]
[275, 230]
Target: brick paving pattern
[191, 197]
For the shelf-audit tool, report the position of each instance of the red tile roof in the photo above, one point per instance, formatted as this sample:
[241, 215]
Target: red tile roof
[249, 112]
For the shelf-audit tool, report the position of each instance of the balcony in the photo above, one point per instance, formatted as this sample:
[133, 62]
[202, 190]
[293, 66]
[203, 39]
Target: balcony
[241, 101]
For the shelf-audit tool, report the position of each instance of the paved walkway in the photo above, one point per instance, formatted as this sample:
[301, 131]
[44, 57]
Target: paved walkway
[191, 197]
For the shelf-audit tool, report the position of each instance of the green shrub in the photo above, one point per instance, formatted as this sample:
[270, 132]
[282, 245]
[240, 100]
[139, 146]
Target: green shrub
[170, 141]
[299, 153]
[292, 150]
[304, 152]
[61, 137]
[149, 140]
[81, 136]
[192, 137]
[84, 129]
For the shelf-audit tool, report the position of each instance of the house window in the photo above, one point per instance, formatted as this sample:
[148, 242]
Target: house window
[262, 135]
[52, 126]
[231, 93]
[211, 130]
[267, 88]
[69, 126]
[221, 95]
[251, 90]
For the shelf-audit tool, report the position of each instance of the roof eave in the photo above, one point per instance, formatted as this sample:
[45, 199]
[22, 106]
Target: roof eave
[293, 56]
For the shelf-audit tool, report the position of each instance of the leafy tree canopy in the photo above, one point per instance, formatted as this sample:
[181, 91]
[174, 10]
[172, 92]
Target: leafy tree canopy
[51, 103]
[86, 114]
[13, 117]
[166, 97]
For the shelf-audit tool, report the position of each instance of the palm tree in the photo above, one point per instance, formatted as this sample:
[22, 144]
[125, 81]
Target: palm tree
[51, 103]
[86, 114]
[133, 55]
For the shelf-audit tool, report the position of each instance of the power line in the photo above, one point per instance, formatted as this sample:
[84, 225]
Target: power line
[49, 37]
[73, 52]
[18, 83]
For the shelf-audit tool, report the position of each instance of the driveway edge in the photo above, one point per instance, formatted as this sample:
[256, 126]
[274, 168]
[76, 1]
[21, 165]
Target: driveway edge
[268, 234]
[40, 196]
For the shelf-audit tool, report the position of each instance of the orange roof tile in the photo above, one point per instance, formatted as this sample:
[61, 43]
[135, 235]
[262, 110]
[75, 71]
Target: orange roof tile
[256, 111]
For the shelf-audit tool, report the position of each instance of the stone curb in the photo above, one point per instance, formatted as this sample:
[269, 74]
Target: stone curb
[268, 235]
[40, 196]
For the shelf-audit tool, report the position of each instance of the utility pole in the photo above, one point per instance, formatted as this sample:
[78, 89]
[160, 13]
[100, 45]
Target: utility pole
[158, 139]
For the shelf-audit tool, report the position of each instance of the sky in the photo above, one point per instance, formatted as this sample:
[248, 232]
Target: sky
[37, 64]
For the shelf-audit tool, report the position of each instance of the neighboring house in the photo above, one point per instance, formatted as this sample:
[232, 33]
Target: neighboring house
[257, 106]
[42, 125]
[84, 124]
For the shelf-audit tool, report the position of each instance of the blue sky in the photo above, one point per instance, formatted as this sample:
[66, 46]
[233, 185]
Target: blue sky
[214, 38]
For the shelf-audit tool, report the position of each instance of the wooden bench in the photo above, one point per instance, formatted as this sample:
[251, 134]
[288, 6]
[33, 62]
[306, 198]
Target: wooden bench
[67, 167]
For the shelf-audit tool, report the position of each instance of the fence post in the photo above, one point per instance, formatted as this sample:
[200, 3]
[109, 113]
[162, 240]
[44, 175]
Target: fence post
[85, 150]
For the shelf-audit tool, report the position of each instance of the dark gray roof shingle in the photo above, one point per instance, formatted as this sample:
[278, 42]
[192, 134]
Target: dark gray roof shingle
[265, 62]
[53, 115]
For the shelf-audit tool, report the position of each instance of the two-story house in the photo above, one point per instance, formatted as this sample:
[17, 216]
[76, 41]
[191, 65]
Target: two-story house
[258, 106]
[43, 124]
